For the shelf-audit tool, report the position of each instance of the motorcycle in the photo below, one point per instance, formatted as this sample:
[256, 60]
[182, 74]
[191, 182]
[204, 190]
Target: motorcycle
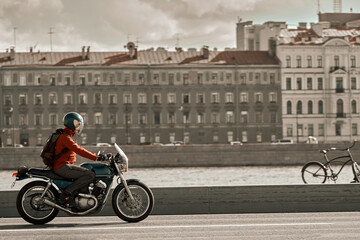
[38, 201]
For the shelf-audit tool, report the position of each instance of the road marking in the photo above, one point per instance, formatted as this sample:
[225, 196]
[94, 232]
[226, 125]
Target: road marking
[162, 227]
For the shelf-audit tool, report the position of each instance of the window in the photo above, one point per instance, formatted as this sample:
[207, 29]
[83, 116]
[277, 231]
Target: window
[53, 119]
[288, 61]
[244, 117]
[298, 83]
[67, 98]
[258, 97]
[52, 98]
[288, 83]
[228, 77]
[319, 61]
[83, 79]
[320, 83]
[214, 78]
[258, 117]
[243, 97]
[244, 136]
[258, 137]
[112, 98]
[67, 80]
[83, 98]
[298, 61]
[186, 117]
[321, 107]
[288, 107]
[23, 119]
[273, 97]
[215, 117]
[299, 107]
[273, 118]
[339, 83]
[200, 78]
[7, 81]
[142, 118]
[171, 78]
[171, 98]
[52, 80]
[338, 129]
[38, 99]
[336, 61]
[309, 61]
[156, 98]
[38, 119]
[156, 79]
[22, 80]
[98, 118]
[142, 98]
[352, 61]
[127, 119]
[214, 97]
[310, 129]
[230, 136]
[127, 78]
[112, 119]
[85, 117]
[309, 83]
[310, 107]
[8, 100]
[156, 117]
[171, 117]
[200, 118]
[186, 79]
[353, 106]
[353, 83]
[289, 130]
[127, 98]
[229, 117]
[272, 78]
[22, 99]
[141, 79]
[300, 130]
[229, 97]
[321, 130]
[98, 98]
[200, 98]
[354, 129]
[243, 78]
[339, 107]
[186, 98]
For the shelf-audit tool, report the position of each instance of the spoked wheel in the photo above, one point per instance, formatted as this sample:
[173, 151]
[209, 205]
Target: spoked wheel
[31, 206]
[133, 210]
[356, 171]
[313, 172]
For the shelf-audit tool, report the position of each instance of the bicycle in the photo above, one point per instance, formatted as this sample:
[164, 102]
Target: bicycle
[317, 172]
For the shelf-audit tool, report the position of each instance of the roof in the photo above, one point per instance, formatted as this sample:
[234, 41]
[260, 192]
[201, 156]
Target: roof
[144, 57]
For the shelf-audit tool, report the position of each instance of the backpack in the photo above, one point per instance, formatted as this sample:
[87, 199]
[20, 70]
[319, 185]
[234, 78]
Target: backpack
[48, 152]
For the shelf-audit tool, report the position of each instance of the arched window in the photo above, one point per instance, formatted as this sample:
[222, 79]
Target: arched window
[299, 107]
[340, 108]
[310, 107]
[321, 107]
[353, 106]
[288, 107]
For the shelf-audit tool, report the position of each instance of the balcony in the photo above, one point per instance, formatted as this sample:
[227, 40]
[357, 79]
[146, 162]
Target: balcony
[340, 115]
[339, 90]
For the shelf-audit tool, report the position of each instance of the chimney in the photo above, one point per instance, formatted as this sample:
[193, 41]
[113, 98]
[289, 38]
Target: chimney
[302, 25]
[83, 53]
[318, 28]
[12, 53]
[205, 52]
[272, 47]
[88, 53]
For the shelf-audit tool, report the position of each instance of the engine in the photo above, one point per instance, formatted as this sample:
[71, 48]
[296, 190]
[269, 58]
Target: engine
[84, 203]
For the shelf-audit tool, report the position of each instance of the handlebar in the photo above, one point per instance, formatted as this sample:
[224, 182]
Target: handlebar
[335, 149]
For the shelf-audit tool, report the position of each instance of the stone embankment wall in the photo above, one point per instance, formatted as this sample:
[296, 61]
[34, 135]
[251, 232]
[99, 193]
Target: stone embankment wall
[191, 155]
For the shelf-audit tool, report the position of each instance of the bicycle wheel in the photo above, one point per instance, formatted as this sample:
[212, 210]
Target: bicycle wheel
[356, 171]
[313, 172]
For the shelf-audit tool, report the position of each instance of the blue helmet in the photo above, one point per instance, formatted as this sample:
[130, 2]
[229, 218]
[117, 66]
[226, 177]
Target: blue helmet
[74, 121]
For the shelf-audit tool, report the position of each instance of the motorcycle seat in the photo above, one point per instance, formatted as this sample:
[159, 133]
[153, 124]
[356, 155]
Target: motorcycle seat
[45, 173]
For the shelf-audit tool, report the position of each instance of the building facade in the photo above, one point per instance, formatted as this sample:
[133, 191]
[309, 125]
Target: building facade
[142, 97]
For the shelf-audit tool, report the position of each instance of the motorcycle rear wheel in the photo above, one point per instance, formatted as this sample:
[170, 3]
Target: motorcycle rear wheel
[30, 205]
[133, 211]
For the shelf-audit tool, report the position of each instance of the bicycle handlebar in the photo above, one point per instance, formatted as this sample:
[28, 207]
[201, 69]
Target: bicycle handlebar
[335, 149]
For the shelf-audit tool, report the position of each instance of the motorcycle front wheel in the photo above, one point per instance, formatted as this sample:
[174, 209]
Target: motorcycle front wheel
[31, 206]
[133, 210]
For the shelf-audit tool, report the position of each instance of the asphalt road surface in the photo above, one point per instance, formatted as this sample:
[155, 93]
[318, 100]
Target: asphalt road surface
[344, 225]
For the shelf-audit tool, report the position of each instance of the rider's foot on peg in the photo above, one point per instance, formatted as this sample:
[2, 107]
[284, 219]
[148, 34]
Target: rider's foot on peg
[67, 199]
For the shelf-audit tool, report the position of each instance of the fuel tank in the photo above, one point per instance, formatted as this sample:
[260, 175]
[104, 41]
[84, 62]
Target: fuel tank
[100, 169]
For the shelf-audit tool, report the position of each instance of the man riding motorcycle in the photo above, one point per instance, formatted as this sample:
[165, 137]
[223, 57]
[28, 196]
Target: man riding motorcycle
[64, 165]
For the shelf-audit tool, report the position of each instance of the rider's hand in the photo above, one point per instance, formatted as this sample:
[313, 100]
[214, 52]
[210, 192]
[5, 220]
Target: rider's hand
[101, 157]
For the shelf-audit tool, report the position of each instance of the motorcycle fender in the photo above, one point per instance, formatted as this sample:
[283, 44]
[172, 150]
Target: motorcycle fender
[127, 181]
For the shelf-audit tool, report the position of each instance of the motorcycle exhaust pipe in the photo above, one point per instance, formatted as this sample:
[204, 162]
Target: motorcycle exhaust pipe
[54, 205]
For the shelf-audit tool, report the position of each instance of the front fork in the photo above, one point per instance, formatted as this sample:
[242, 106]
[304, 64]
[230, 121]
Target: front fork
[123, 181]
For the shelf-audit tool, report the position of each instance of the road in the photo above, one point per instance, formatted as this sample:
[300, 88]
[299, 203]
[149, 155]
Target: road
[342, 225]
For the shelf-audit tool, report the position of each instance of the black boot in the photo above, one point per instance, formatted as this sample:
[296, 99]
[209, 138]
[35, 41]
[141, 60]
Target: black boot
[67, 199]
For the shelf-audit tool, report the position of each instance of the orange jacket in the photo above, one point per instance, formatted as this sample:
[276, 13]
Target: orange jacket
[66, 141]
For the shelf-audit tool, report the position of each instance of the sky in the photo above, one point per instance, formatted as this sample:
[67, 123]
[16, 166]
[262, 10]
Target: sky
[107, 25]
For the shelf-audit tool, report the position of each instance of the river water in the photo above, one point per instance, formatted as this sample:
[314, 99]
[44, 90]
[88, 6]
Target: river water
[205, 176]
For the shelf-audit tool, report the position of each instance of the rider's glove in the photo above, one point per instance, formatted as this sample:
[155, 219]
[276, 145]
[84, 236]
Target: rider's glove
[101, 157]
